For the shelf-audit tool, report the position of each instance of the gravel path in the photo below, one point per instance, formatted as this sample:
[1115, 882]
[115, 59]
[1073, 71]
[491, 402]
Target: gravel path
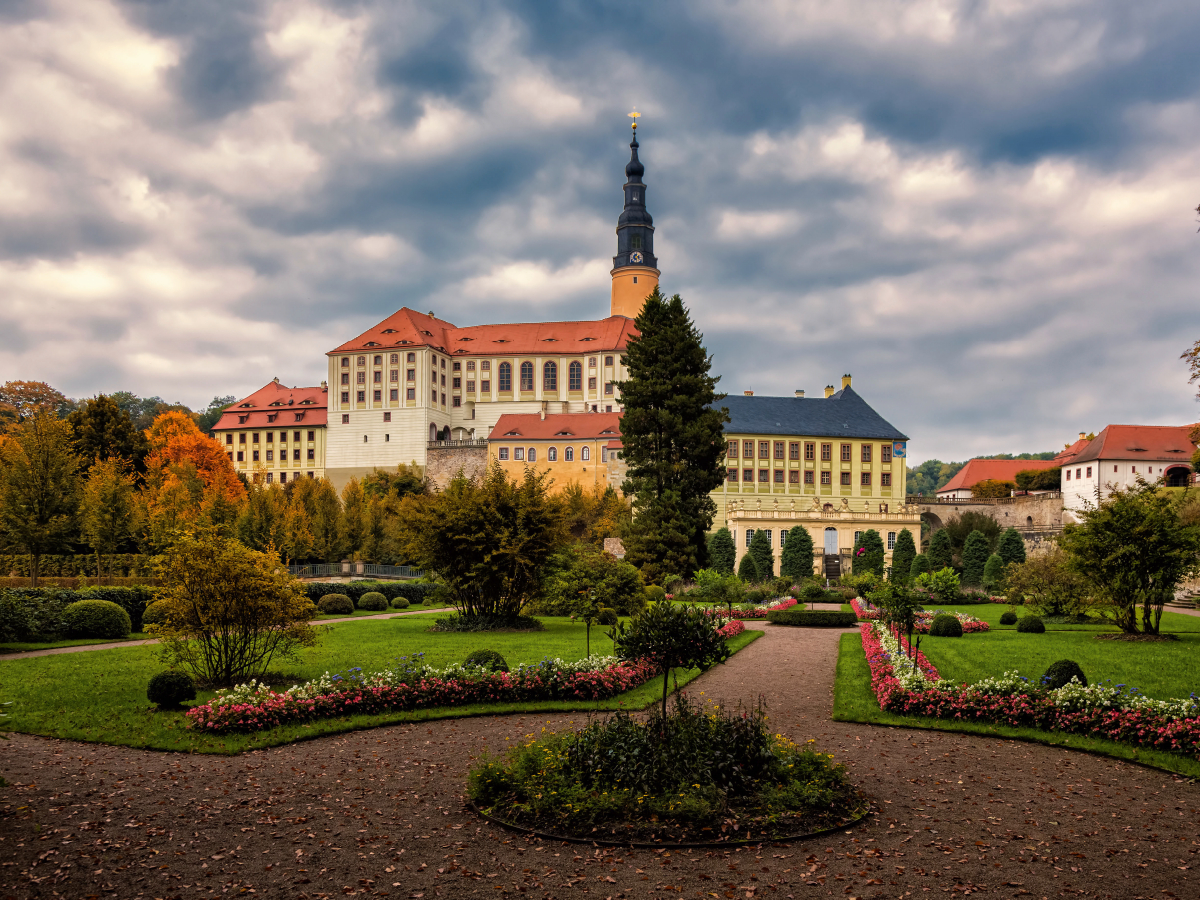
[380, 813]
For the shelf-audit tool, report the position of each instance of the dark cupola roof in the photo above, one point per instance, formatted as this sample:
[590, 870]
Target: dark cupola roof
[635, 227]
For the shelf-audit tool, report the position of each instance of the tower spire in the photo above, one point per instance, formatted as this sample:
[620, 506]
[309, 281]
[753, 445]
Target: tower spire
[635, 268]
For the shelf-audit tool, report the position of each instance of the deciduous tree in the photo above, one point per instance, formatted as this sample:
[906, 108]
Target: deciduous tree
[488, 539]
[39, 487]
[29, 398]
[107, 510]
[102, 430]
[1134, 550]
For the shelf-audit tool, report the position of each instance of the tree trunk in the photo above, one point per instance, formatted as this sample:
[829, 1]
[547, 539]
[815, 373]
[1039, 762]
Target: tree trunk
[34, 559]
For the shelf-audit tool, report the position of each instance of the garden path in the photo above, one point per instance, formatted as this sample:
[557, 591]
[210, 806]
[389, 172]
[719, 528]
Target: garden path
[380, 812]
[114, 645]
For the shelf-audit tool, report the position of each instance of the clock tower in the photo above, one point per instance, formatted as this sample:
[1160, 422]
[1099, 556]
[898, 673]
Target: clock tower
[635, 267]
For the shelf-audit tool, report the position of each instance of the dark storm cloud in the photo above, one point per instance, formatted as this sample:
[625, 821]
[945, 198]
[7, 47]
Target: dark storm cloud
[981, 210]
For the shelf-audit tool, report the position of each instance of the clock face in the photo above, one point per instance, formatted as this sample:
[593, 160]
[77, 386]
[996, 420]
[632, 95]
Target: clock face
[635, 256]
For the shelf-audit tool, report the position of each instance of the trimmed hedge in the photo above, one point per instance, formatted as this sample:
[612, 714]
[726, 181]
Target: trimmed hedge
[945, 625]
[96, 619]
[812, 618]
[410, 591]
[29, 614]
[169, 689]
[76, 565]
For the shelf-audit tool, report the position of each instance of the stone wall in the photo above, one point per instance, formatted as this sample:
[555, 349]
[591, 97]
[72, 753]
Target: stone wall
[443, 463]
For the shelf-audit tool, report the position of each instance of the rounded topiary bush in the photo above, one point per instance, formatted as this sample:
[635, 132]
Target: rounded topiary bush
[1008, 618]
[1031, 625]
[812, 592]
[1061, 673]
[607, 617]
[336, 604]
[154, 613]
[399, 603]
[945, 625]
[97, 619]
[487, 659]
[168, 689]
[654, 593]
[373, 601]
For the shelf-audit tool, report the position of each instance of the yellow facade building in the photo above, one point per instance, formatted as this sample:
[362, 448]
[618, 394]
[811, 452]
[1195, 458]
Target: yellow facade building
[579, 448]
[277, 434]
[831, 464]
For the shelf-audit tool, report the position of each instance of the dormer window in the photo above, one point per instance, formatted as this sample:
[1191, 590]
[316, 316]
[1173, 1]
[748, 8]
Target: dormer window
[427, 333]
[502, 341]
[389, 331]
[271, 417]
[242, 420]
[466, 339]
[372, 344]
[587, 339]
[247, 405]
[511, 433]
[549, 340]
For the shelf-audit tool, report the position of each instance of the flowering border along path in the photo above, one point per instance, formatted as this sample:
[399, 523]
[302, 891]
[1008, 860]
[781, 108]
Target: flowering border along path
[413, 685]
[868, 612]
[1098, 710]
[750, 611]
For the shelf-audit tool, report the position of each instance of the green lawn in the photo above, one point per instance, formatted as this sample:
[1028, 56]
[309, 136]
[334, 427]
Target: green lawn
[991, 613]
[17, 647]
[854, 701]
[101, 696]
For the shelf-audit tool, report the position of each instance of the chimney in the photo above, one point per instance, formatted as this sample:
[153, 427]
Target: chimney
[276, 379]
[748, 393]
[845, 381]
[829, 390]
[325, 385]
[1082, 435]
[799, 393]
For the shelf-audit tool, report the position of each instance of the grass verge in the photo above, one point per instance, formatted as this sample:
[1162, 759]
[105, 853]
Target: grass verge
[854, 701]
[101, 696]
[16, 647]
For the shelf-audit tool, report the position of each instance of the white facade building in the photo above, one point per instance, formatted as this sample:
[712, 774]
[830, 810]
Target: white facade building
[1121, 454]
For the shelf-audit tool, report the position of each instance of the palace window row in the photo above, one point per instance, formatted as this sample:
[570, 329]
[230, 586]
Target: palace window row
[530, 454]
[780, 450]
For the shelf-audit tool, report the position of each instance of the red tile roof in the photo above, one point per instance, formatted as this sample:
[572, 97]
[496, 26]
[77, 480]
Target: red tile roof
[977, 470]
[1069, 454]
[281, 402]
[565, 427]
[1161, 443]
[409, 328]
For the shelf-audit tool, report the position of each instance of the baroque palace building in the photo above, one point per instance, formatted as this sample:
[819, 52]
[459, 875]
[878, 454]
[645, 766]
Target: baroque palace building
[416, 388]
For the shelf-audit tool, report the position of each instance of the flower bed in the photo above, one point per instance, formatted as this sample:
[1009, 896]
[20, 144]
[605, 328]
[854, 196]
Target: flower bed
[867, 612]
[731, 628]
[748, 611]
[253, 706]
[1101, 710]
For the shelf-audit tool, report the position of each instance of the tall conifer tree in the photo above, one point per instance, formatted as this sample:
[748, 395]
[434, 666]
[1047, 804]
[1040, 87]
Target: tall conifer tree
[764, 555]
[722, 554]
[903, 555]
[672, 439]
[940, 552]
[796, 560]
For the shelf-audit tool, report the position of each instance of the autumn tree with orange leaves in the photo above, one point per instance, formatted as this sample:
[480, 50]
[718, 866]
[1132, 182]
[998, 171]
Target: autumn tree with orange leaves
[190, 482]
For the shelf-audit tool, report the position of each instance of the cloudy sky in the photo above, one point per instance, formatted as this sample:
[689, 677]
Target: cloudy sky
[983, 210]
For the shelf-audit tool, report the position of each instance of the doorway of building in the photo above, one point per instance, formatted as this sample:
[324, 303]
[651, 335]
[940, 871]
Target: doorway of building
[1176, 476]
[831, 542]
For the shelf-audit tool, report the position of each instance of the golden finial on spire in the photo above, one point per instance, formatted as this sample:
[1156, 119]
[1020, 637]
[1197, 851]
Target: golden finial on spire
[635, 115]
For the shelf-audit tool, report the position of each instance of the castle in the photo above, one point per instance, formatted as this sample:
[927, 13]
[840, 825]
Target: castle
[417, 388]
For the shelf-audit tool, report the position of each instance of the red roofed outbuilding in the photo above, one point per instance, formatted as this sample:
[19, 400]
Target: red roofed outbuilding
[578, 448]
[1121, 454]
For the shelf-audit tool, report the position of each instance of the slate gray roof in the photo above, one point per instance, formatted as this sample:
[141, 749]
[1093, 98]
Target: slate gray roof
[845, 414]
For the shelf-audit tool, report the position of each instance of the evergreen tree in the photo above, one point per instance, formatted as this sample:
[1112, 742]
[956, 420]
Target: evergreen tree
[903, 555]
[974, 558]
[993, 572]
[872, 559]
[721, 551]
[659, 540]
[671, 432]
[920, 565]
[39, 487]
[764, 555]
[748, 570]
[940, 553]
[796, 559]
[1012, 547]
[102, 430]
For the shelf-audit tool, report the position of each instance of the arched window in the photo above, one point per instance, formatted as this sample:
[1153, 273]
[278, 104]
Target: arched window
[533, 454]
[569, 454]
[527, 376]
[505, 376]
[575, 377]
[585, 453]
[552, 454]
[550, 377]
